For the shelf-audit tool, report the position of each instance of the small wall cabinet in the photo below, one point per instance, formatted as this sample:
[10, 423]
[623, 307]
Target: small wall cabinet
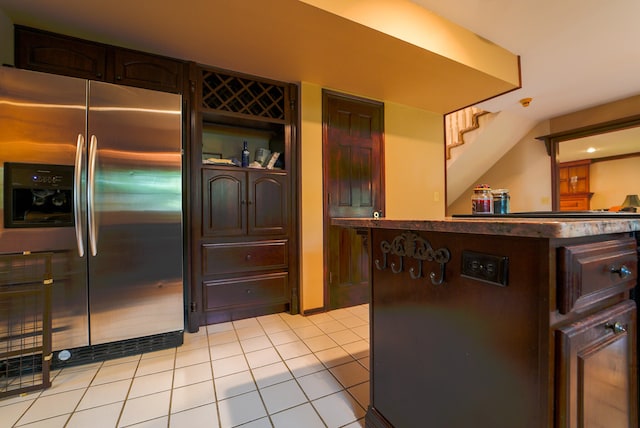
[59, 54]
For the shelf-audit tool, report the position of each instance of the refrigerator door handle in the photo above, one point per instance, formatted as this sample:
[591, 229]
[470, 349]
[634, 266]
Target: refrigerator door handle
[77, 185]
[93, 236]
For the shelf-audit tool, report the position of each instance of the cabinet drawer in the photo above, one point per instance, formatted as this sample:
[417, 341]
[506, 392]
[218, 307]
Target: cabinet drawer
[589, 273]
[574, 203]
[246, 291]
[244, 256]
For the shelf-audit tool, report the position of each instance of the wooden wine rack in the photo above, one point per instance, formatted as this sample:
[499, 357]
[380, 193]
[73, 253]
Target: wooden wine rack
[247, 96]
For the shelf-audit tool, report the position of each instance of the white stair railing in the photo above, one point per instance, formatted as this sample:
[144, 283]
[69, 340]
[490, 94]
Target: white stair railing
[459, 123]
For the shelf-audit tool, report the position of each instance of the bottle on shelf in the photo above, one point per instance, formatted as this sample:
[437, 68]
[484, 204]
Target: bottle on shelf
[245, 156]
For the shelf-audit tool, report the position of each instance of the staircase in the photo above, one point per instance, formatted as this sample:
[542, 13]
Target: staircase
[475, 141]
[459, 123]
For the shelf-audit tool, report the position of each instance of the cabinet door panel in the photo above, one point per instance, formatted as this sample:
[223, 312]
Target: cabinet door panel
[596, 370]
[223, 203]
[147, 71]
[563, 179]
[268, 206]
[580, 176]
[49, 53]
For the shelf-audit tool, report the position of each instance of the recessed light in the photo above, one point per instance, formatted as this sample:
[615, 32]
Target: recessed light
[591, 149]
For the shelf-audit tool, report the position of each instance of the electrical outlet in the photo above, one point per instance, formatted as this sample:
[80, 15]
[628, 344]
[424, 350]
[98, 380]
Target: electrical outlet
[485, 267]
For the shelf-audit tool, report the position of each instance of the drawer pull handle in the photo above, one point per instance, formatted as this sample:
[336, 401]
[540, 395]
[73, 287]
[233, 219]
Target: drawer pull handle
[248, 257]
[622, 271]
[616, 327]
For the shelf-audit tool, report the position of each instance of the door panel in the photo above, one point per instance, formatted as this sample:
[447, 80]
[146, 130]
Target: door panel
[136, 275]
[41, 116]
[267, 203]
[596, 370]
[353, 179]
[227, 216]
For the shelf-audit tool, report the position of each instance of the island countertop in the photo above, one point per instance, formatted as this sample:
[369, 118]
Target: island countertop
[534, 226]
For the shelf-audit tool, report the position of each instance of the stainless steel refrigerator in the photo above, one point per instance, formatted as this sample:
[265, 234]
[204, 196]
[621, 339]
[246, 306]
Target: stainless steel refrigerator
[93, 173]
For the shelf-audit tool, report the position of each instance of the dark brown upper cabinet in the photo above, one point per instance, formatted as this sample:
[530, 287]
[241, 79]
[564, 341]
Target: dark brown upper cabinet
[59, 54]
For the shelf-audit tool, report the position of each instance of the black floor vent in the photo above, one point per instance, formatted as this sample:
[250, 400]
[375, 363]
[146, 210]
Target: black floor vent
[123, 348]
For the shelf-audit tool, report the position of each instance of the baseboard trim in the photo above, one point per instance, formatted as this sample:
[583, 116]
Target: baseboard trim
[314, 311]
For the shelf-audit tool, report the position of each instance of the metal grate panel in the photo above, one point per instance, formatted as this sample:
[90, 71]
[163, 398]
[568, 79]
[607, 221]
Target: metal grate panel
[25, 322]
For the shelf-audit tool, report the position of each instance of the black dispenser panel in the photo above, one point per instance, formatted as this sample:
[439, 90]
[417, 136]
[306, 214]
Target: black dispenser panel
[38, 195]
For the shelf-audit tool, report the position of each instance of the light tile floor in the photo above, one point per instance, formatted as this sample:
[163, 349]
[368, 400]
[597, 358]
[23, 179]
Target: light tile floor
[281, 370]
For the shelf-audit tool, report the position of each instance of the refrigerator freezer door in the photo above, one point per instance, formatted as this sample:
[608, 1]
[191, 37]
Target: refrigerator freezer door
[41, 116]
[135, 277]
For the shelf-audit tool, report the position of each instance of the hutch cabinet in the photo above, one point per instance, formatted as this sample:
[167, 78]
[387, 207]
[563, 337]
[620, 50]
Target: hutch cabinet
[244, 223]
[59, 54]
[574, 185]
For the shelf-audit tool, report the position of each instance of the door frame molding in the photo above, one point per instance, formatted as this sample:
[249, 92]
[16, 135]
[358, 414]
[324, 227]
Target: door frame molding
[328, 94]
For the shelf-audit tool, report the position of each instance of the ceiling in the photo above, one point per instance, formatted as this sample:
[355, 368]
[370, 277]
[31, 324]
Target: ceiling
[598, 146]
[574, 54]
[363, 51]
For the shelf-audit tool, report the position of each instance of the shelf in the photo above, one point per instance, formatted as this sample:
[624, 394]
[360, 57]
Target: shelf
[226, 143]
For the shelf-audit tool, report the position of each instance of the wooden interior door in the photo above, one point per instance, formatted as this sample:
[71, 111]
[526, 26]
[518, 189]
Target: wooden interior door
[353, 187]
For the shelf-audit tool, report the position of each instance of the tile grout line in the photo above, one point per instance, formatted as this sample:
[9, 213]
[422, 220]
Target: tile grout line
[86, 389]
[213, 378]
[173, 380]
[290, 327]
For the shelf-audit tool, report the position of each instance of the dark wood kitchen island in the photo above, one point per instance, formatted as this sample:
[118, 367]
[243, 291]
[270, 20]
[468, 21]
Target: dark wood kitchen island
[502, 322]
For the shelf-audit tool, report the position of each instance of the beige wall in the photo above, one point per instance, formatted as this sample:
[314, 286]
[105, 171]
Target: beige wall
[6, 39]
[610, 181]
[311, 239]
[414, 170]
[525, 170]
[414, 163]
